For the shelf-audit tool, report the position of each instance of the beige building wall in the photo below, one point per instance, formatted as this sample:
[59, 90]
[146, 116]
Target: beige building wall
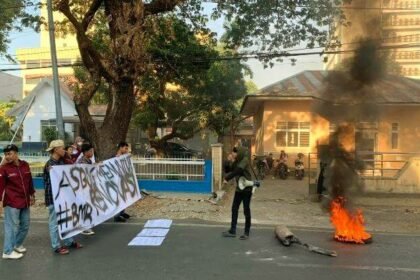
[259, 132]
[408, 120]
[40, 58]
[292, 111]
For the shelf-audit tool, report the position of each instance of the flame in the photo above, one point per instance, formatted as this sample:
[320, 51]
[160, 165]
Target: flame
[348, 227]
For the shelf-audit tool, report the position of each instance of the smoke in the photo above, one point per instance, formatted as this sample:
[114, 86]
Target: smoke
[349, 99]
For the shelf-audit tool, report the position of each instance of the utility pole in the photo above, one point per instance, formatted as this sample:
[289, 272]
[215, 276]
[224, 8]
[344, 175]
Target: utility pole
[57, 95]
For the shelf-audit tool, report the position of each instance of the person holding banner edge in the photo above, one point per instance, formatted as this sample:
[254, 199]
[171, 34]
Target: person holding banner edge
[123, 148]
[56, 150]
[86, 158]
[19, 194]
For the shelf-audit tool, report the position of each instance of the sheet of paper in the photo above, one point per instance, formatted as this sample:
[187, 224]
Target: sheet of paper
[159, 223]
[161, 232]
[146, 241]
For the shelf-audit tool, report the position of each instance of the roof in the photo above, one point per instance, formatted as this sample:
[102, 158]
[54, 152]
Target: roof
[21, 106]
[311, 84]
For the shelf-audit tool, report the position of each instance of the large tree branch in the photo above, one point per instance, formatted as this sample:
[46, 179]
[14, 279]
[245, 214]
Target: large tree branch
[161, 6]
[87, 19]
[91, 58]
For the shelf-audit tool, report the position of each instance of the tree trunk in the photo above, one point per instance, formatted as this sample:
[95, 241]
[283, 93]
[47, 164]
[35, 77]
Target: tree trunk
[116, 123]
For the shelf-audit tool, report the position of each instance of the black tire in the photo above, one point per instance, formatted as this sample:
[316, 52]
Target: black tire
[283, 172]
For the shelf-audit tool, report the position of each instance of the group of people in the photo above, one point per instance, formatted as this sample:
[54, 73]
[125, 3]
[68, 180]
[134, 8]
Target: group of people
[17, 194]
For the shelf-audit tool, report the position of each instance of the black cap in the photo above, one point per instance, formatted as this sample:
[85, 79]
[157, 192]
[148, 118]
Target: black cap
[10, 147]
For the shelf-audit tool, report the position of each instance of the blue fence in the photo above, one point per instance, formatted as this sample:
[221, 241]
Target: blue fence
[203, 186]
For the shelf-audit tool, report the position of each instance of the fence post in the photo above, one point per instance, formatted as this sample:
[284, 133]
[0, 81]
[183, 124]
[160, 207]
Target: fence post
[217, 164]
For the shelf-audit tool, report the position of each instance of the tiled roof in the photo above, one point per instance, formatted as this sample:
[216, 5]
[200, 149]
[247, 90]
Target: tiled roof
[391, 89]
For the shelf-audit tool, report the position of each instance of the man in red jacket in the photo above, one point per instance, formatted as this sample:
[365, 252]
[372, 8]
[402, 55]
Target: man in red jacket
[19, 194]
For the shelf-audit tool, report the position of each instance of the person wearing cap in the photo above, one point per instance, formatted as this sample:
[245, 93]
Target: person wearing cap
[56, 150]
[86, 158]
[240, 167]
[19, 194]
[123, 149]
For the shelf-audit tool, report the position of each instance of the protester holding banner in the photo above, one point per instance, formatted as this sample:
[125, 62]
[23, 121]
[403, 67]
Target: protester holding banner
[19, 194]
[56, 150]
[86, 158]
[68, 155]
[122, 150]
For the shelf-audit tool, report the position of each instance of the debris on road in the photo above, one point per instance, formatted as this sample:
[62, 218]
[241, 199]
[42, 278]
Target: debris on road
[287, 238]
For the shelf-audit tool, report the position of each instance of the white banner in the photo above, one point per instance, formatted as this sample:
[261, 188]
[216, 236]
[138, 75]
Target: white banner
[86, 195]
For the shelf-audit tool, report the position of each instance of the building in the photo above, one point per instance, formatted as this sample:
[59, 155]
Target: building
[285, 119]
[10, 87]
[37, 61]
[38, 111]
[394, 23]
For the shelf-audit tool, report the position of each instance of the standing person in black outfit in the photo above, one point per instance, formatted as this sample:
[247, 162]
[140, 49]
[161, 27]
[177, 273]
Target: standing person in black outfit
[239, 166]
[123, 149]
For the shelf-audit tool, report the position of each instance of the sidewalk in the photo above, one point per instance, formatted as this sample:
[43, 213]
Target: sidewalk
[275, 202]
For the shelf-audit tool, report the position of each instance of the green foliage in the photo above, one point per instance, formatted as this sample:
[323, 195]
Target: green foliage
[251, 87]
[14, 16]
[5, 122]
[50, 134]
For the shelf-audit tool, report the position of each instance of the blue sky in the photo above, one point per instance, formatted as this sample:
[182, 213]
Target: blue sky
[261, 77]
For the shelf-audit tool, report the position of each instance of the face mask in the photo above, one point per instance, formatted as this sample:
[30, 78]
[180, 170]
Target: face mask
[79, 143]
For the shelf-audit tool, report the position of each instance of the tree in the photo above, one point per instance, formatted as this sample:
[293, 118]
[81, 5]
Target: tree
[5, 122]
[14, 16]
[268, 25]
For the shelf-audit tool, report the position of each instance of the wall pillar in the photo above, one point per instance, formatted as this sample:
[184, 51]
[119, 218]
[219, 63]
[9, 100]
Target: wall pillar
[217, 166]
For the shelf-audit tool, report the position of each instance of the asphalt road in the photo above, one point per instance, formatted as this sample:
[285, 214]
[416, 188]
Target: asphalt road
[197, 251]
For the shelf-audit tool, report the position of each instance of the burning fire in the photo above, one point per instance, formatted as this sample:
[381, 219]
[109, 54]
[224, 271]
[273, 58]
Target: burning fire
[348, 227]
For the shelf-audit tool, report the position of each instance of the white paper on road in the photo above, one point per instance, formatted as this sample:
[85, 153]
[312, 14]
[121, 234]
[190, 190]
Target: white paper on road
[159, 223]
[146, 241]
[153, 232]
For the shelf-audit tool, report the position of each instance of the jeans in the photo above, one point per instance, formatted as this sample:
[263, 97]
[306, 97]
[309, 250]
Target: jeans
[245, 197]
[16, 227]
[53, 228]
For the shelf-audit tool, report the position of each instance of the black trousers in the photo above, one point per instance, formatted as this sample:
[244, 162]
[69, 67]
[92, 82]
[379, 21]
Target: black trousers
[245, 197]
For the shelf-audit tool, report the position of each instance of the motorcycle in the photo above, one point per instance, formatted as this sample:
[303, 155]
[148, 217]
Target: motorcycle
[283, 171]
[261, 166]
[299, 169]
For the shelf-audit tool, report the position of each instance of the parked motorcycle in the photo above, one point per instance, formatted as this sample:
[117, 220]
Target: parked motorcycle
[299, 167]
[283, 171]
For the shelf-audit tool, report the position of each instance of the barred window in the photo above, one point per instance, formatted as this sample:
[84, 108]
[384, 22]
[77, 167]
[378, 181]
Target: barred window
[293, 134]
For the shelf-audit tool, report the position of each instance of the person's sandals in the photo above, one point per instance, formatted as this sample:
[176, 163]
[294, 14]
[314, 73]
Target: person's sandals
[62, 251]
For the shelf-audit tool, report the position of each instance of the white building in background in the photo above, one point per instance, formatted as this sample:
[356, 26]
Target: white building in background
[39, 107]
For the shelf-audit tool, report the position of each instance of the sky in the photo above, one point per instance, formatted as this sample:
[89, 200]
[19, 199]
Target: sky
[261, 77]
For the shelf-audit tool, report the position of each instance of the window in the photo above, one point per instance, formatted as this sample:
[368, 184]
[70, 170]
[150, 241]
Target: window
[293, 134]
[394, 135]
[44, 125]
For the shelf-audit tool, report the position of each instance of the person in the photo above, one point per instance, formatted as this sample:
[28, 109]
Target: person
[77, 148]
[123, 149]
[283, 157]
[240, 167]
[86, 158]
[68, 155]
[19, 194]
[270, 161]
[57, 152]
